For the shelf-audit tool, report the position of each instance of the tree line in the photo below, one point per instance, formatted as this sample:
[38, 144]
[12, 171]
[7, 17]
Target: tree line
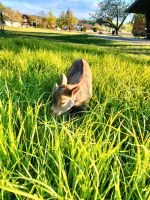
[66, 20]
[110, 13]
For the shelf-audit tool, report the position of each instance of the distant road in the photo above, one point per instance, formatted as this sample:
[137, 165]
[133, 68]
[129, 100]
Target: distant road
[132, 40]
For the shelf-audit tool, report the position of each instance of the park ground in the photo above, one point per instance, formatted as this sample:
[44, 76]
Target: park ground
[128, 38]
[101, 153]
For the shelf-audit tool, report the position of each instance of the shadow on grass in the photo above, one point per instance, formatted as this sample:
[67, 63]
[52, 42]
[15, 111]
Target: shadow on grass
[59, 37]
[137, 51]
[77, 39]
[60, 42]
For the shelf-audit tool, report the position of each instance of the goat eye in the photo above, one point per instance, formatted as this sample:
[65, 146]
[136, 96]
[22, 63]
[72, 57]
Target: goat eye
[62, 103]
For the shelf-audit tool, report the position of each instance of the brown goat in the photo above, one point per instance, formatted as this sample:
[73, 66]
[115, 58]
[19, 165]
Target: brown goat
[75, 89]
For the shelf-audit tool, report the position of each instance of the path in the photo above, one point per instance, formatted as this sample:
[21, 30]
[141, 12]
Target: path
[130, 40]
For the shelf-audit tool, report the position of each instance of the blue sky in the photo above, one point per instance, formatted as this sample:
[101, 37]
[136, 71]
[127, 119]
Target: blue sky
[80, 8]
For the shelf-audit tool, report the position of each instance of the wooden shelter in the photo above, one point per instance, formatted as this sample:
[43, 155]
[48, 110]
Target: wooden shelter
[139, 27]
[142, 7]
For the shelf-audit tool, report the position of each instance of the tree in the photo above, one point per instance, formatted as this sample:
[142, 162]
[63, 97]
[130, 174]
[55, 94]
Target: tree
[1, 6]
[11, 15]
[61, 22]
[51, 19]
[1, 17]
[70, 20]
[34, 20]
[44, 23]
[111, 13]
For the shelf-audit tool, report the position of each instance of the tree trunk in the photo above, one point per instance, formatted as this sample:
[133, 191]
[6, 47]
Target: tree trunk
[117, 31]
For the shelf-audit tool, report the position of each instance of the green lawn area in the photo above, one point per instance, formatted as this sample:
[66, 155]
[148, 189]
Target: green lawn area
[102, 153]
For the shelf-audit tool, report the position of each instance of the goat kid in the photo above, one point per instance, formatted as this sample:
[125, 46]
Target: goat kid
[75, 90]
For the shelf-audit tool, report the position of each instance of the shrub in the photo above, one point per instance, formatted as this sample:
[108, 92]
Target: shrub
[95, 28]
[83, 29]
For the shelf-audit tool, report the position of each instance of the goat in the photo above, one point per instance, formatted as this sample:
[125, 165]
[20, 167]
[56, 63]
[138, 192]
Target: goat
[75, 90]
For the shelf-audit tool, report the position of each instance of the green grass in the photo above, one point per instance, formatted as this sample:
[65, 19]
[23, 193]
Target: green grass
[102, 153]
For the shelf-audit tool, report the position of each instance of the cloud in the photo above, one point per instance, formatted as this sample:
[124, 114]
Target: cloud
[80, 8]
[25, 7]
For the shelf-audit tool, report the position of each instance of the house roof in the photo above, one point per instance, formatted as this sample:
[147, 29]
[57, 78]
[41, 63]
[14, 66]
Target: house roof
[88, 26]
[140, 6]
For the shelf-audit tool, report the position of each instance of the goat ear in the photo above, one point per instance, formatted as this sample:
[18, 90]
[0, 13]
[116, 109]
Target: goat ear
[71, 87]
[63, 79]
[75, 90]
[55, 87]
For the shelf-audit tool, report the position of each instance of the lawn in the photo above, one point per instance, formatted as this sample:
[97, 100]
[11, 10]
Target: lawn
[102, 153]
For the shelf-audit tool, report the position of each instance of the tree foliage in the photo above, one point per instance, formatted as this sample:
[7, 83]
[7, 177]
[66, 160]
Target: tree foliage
[1, 6]
[61, 21]
[66, 19]
[70, 20]
[11, 15]
[34, 20]
[111, 13]
[1, 18]
[51, 19]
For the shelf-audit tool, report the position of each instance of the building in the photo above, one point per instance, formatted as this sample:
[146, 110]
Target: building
[84, 25]
[142, 7]
[11, 18]
[12, 23]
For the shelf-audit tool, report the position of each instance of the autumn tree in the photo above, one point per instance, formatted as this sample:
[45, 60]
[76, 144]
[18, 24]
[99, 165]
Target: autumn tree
[1, 6]
[44, 23]
[11, 15]
[111, 13]
[51, 19]
[32, 20]
[35, 20]
[61, 21]
[70, 20]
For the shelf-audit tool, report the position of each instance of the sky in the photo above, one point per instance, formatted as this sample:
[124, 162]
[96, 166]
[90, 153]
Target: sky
[80, 8]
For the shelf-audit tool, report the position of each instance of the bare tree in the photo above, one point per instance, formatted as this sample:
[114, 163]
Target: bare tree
[111, 13]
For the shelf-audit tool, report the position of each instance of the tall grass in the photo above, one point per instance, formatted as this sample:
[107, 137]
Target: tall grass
[102, 153]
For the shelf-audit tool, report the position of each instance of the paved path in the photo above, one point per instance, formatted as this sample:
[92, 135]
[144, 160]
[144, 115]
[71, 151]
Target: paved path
[130, 40]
